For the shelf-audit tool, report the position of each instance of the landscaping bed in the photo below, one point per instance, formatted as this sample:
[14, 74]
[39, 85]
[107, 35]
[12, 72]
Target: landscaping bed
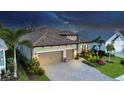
[31, 70]
[23, 74]
[92, 59]
[93, 64]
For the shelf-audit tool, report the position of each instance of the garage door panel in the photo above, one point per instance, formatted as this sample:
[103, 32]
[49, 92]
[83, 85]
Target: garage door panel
[50, 57]
[70, 54]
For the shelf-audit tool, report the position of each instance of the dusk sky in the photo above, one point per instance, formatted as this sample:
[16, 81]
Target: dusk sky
[65, 20]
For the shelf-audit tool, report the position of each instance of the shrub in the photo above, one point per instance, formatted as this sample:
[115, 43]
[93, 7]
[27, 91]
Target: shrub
[122, 62]
[100, 62]
[93, 58]
[34, 67]
[77, 56]
[10, 66]
[41, 71]
[123, 49]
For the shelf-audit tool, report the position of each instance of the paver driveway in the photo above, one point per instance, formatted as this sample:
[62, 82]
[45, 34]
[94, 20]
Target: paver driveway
[74, 71]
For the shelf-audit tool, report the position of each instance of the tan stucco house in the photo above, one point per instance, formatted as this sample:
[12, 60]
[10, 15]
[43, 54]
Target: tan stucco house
[52, 45]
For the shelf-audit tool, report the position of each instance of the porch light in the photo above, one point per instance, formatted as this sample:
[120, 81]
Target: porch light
[1, 59]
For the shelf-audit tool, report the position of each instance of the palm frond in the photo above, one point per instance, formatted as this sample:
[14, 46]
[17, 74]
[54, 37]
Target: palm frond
[110, 47]
[21, 32]
[99, 40]
[4, 31]
[8, 36]
[26, 43]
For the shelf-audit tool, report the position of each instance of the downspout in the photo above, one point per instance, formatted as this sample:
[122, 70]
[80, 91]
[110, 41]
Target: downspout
[31, 53]
[0, 75]
[5, 61]
[77, 45]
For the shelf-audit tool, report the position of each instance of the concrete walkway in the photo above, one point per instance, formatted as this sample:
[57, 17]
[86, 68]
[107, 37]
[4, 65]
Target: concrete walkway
[74, 71]
[120, 78]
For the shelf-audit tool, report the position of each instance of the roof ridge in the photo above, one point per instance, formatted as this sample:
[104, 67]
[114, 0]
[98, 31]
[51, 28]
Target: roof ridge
[41, 37]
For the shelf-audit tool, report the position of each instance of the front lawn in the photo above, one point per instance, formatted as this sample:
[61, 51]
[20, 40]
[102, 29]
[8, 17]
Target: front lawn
[112, 69]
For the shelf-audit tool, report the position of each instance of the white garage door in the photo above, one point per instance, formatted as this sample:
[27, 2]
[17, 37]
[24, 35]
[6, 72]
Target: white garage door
[70, 54]
[50, 57]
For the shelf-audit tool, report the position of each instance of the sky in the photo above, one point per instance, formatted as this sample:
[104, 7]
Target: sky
[72, 20]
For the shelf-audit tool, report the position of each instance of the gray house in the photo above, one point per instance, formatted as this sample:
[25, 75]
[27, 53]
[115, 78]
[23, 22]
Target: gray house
[3, 48]
[109, 35]
[52, 45]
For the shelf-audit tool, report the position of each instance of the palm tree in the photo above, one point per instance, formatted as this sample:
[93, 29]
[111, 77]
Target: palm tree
[99, 42]
[12, 40]
[109, 49]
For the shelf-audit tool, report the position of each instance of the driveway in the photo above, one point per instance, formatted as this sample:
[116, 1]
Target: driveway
[74, 71]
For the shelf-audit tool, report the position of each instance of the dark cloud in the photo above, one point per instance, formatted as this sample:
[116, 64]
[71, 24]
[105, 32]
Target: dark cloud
[65, 20]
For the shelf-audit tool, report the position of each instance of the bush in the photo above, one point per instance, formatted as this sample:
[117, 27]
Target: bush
[122, 62]
[100, 62]
[77, 56]
[41, 71]
[31, 67]
[34, 67]
[93, 58]
[10, 66]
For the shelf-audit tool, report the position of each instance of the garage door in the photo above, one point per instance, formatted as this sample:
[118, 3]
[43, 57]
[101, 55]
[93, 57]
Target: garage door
[70, 54]
[50, 57]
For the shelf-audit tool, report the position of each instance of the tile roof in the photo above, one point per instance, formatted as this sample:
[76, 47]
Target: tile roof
[91, 34]
[46, 36]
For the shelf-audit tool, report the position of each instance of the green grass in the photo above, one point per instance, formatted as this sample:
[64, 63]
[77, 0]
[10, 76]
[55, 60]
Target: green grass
[112, 69]
[22, 75]
[44, 78]
[41, 78]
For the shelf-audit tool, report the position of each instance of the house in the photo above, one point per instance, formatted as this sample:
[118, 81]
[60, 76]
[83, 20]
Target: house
[108, 35]
[3, 48]
[52, 45]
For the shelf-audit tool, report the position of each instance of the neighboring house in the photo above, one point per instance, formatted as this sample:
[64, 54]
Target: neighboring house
[51, 45]
[109, 35]
[3, 48]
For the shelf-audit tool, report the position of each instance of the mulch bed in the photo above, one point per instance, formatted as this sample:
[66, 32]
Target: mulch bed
[4, 77]
[32, 77]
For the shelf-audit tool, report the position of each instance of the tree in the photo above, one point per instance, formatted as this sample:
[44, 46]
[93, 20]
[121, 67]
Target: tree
[109, 49]
[99, 42]
[12, 40]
